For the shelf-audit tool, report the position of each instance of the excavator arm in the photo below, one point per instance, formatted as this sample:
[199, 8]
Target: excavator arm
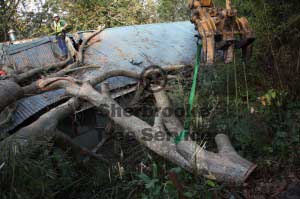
[221, 29]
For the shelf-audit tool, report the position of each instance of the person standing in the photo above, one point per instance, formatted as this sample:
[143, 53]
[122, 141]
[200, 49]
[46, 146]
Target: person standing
[59, 26]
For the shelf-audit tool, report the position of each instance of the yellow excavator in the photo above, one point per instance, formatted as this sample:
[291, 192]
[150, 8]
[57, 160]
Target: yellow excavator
[221, 29]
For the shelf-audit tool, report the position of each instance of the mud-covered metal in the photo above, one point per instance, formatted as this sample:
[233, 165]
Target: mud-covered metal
[134, 48]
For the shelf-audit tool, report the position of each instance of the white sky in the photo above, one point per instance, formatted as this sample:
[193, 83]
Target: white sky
[32, 5]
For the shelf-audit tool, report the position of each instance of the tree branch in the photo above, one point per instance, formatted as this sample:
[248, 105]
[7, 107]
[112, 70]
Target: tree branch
[85, 42]
[67, 140]
[23, 76]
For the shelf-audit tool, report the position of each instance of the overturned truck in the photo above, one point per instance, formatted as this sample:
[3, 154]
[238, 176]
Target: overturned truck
[41, 95]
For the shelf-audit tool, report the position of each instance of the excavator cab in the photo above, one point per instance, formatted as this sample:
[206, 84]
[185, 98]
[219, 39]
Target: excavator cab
[221, 29]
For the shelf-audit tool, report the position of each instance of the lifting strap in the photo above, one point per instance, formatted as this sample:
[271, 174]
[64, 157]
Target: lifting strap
[183, 134]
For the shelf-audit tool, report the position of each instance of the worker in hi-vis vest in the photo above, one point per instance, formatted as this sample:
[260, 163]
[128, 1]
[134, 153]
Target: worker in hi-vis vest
[59, 26]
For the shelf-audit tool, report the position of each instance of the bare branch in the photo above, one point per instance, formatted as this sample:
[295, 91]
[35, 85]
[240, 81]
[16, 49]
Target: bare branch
[76, 147]
[21, 77]
[85, 42]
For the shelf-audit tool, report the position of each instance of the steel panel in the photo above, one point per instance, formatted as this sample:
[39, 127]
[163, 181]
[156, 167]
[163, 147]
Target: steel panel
[27, 107]
[31, 54]
[16, 48]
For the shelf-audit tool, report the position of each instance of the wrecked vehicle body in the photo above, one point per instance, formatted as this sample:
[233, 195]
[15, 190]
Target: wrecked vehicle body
[130, 49]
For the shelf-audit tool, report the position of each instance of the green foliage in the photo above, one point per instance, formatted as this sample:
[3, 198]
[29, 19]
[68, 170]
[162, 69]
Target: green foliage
[169, 10]
[156, 187]
[110, 13]
[8, 17]
[48, 172]
[266, 127]
[80, 15]
[161, 185]
[36, 174]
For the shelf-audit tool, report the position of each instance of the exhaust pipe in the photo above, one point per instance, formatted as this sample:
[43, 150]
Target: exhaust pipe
[12, 35]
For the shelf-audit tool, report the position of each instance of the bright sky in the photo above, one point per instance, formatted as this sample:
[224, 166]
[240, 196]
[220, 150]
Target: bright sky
[31, 5]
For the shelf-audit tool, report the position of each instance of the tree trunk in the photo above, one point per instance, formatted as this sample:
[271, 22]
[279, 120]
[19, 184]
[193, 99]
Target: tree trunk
[9, 93]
